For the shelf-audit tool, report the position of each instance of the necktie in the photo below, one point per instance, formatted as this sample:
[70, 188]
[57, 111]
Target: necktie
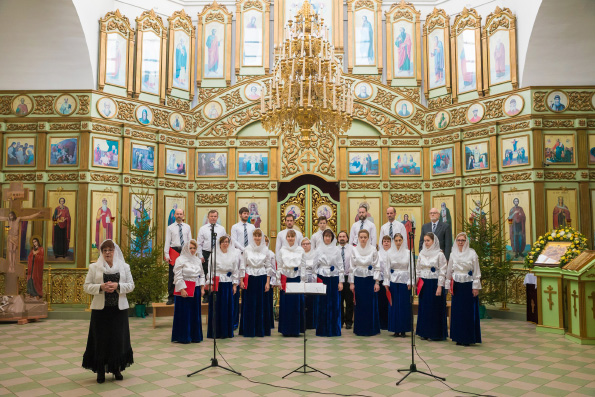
[245, 236]
[390, 231]
[433, 227]
[343, 255]
[181, 235]
[362, 226]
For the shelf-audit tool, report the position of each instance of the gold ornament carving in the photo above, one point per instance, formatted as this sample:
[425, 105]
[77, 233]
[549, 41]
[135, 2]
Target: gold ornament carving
[582, 122]
[585, 175]
[494, 109]
[142, 181]
[326, 154]
[84, 125]
[363, 185]
[176, 141]
[211, 186]
[480, 180]
[387, 125]
[319, 200]
[591, 123]
[430, 122]
[404, 142]
[442, 184]
[384, 99]
[173, 185]
[579, 100]
[405, 185]
[539, 101]
[211, 143]
[105, 128]
[189, 123]
[440, 102]
[238, 120]
[290, 153]
[44, 104]
[558, 123]
[205, 93]
[497, 19]
[199, 120]
[39, 177]
[215, 16]
[514, 177]
[142, 135]
[437, 19]
[253, 186]
[364, 4]
[105, 178]
[179, 104]
[5, 104]
[19, 177]
[160, 118]
[84, 104]
[411, 93]
[537, 123]
[260, 142]
[363, 142]
[298, 200]
[477, 133]
[442, 139]
[466, 19]
[64, 127]
[253, 4]
[427, 185]
[406, 198]
[539, 175]
[21, 127]
[62, 177]
[560, 175]
[458, 116]
[125, 111]
[591, 175]
[494, 178]
[203, 198]
[515, 126]
[232, 100]
[418, 118]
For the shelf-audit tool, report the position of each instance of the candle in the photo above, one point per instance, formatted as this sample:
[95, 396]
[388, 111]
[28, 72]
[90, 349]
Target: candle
[293, 67]
[302, 51]
[278, 102]
[310, 45]
[304, 69]
[310, 92]
[319, 66]
[324, 91]
[334, 98]
[289, 94]
[302, 93]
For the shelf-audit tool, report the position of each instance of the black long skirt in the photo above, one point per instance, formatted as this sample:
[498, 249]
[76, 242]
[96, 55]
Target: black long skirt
[108, 343]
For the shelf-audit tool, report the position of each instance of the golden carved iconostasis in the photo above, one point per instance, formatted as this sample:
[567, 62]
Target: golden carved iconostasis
[470, 135]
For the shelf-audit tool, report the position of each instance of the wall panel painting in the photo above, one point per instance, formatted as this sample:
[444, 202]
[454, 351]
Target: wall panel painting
[26, 229]
[466, 61]
[105, 220]
[211, 164]
[202, 218]
[364, 163]
[253, 38]
[446, 209]
[141, 210]
[365, 41]
[181, 78]
[63, 151]
[176, 161]
[405, 163]
[116, 59]
[60, 236]
[410, 217]
[106, 153]
[515, 151]
[559, 149]
[591, 149]
[477, 156]
[258, 211]
[20, 151]
[499, 57]
[517, 209]
[214, 47]
[478, 207]
[436, 58]
[373, 215]
[561, 208]
[404, 50]
[172, 203]
[151, 63]
[442, 161]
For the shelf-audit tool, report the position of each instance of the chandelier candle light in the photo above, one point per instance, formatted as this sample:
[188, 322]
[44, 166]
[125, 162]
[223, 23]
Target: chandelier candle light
[308, 90]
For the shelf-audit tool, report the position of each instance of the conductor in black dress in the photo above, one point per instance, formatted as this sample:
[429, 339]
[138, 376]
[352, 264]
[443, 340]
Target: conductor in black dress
[442, 230]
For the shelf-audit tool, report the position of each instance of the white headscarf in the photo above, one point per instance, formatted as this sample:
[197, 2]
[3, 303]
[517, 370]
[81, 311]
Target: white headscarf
[364, 251]
[433, 251]
[230, 255]
[400, 255]
[262, 247]
[310, 254]
[118, 260]
[292, 248]
[330, 249]
[466, 254]
[188, 257]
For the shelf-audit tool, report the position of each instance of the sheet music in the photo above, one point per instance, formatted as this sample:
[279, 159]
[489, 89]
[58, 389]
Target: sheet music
[306, 288]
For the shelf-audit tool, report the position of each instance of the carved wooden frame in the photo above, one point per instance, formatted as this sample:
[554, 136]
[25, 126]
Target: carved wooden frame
[180, 21]
[375, 6]
[399, 12]
[500, 17]
[466, 20]
[115, 22]
[437, 19]
[264, 7]
[149, 21]
[210, 12]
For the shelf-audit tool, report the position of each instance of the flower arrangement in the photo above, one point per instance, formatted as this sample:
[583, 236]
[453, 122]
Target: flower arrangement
[568, 234]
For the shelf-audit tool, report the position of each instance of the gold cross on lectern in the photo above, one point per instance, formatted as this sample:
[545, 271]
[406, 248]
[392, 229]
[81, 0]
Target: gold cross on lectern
[550, 291]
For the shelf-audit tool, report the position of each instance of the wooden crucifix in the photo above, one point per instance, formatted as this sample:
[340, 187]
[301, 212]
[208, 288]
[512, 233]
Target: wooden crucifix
[550, 291]
[15, 214]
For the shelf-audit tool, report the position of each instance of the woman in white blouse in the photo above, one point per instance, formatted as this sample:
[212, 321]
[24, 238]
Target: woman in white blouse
[255, 281]
[465, 282]
[364, 277]
[291, 269]
[225, 284]
[188, 273]
[270, 295]
[310, 255]
[431, 270]
[329, 269]
[398, 281]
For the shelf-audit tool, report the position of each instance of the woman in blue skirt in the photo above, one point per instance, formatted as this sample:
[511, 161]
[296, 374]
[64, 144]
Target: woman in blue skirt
[431, 269]
[225, 285]
[187, 315]
[290, 263]
[329, 268]
[465, 282]
[311, 300]
[397, 279]
[270, 294]
[364, 277]
[255, 273]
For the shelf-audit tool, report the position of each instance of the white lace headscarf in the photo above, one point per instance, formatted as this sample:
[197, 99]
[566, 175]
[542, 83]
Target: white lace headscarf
[364, 251]
[117, 262]
[433, 251]
[262, 247]
[466, 254]
[229, 256]
[310, 255]
[401, 254]
[188, 257]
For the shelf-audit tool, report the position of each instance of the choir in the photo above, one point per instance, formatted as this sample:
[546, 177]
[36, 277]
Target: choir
[375, 281]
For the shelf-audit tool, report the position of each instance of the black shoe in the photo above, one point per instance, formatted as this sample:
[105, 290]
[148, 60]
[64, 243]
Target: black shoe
[348, 326]
[396, 335]
[459, 344]
[170, 301]
[422, 338]
[100, 377]
[403, 335]
[118, 375]
[205, 299]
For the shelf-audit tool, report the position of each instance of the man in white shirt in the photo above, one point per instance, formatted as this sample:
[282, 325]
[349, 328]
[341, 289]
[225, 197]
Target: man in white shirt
[393, 227]
[241, 232]
[363, 224]
[204, 237]
[316, 239]
[346, 293]
[281, 237]
[176, 235]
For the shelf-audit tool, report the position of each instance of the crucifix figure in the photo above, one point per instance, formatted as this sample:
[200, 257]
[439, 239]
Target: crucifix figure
[15, 214]
[574, 296]
[550, 290]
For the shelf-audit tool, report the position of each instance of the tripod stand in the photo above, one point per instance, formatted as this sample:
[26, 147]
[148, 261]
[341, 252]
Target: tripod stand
[412, 272]
[213, 272]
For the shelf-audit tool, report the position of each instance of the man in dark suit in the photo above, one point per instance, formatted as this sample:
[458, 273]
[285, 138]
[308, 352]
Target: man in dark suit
[440, 229]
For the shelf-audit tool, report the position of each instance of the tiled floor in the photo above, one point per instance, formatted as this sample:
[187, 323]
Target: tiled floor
[44, 359]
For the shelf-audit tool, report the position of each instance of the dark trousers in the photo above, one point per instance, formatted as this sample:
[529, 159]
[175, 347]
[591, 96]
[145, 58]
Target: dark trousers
[346, 304]
[170, 279]
[205, 265]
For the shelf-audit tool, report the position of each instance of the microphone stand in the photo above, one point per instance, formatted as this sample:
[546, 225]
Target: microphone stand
[412, 273]
[213, 272]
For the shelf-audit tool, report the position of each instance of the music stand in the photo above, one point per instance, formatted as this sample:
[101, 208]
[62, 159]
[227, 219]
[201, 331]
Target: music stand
[301, 289]
[412, 273]
[213, 271]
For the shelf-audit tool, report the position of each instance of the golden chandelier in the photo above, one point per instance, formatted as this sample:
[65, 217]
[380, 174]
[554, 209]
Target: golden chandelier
[307, 88]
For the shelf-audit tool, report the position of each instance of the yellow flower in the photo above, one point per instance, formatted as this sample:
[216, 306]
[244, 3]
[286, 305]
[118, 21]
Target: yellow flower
[550, 238]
